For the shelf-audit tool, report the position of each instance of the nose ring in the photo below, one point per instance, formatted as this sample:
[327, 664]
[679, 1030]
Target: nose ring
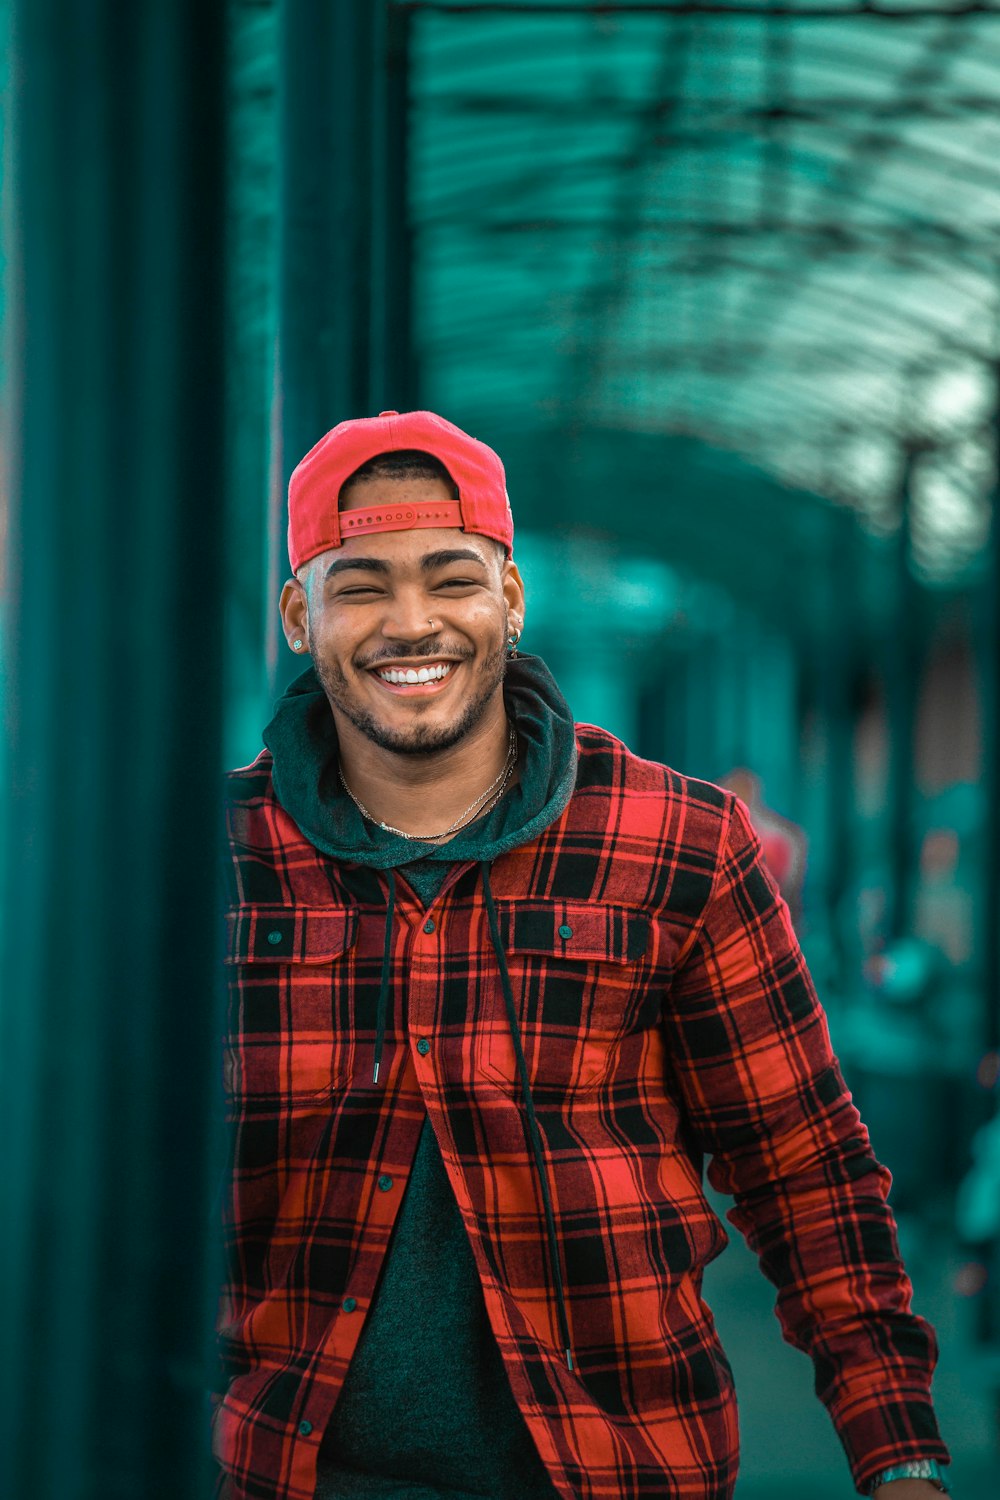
[431, 624]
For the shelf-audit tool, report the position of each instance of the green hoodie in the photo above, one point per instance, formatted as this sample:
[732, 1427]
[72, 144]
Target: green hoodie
[426, 1410]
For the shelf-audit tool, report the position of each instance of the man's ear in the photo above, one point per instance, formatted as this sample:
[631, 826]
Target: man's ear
[513, 593]
[294, 609]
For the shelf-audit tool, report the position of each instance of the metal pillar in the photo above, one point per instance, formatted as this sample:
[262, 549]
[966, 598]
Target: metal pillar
[345, 345]
[109, 1015]
[904, 661]
[834, 688]
[988, 612]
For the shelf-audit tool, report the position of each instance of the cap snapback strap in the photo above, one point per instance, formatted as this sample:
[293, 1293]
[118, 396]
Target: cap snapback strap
[400, 517]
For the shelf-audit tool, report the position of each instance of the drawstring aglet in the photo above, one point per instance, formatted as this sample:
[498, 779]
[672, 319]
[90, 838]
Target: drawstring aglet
[569, 1358]
[383, 989]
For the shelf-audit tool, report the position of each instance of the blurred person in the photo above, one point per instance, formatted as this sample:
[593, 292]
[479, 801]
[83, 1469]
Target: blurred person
[783, 843]
[497, 986]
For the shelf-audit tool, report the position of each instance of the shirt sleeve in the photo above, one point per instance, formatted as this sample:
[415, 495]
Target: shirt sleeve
[766, 1099]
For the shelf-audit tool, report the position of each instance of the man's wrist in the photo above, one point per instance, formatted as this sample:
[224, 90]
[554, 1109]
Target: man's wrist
[925, 1470]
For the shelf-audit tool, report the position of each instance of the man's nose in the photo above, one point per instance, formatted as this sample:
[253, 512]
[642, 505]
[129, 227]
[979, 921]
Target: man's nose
[409, 619]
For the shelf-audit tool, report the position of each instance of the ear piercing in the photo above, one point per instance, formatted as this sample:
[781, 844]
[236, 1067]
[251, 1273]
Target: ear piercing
[297, 645]
[512, 641]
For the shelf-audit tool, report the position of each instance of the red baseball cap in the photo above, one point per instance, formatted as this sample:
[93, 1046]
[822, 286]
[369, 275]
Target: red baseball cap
[314, 519]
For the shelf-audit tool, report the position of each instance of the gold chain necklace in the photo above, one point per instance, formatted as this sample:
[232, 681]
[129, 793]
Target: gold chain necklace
[498, 786]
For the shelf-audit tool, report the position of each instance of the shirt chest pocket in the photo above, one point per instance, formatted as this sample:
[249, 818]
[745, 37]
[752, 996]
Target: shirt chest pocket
[577, 981]
[288, 1040]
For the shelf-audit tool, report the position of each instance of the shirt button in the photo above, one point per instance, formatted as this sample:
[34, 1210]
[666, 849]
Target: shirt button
[429, 925]
[423, 1046]
[385, 1183]
[565, 932]
[274, 937]
[349, 1304]
[305, 1428]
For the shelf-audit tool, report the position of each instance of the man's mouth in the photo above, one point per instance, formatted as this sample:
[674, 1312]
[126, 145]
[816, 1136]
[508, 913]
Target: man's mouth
[436, 672]
[415, 679]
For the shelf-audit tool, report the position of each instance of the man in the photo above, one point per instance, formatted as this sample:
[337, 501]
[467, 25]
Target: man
[497, 985]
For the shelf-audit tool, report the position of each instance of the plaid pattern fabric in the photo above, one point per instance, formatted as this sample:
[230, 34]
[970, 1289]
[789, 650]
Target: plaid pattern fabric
[665, 1011]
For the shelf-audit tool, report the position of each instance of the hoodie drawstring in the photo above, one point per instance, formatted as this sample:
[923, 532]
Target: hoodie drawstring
[383, 991]
[529, 1104]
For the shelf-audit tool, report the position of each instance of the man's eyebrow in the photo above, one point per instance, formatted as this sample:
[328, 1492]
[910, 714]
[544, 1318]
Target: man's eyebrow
[359, 564]
[449, 555]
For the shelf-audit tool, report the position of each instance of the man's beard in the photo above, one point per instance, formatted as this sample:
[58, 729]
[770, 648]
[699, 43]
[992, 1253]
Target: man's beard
[420, 739]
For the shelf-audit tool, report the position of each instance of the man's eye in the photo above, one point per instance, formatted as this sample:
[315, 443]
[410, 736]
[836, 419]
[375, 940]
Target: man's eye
[362, 588]
[460, 583]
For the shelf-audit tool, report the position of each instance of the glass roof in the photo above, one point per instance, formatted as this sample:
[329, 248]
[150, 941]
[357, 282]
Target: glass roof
[773, 230]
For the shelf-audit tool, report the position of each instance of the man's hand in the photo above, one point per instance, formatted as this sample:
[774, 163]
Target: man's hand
[906, 1489]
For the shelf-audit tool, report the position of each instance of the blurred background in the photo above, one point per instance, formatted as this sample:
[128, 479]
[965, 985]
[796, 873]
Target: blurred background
[719, 281]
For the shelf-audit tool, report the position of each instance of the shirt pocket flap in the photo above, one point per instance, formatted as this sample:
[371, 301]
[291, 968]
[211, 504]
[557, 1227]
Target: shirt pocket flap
[581, 930]
[282, 934]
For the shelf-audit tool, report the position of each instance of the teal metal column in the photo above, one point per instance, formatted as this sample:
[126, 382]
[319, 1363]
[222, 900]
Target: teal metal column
[326, 90]
[345, 344]
[987, 617]
[905, 659]
[345, 339]
[834, 660]
[111, 653]
[395, 376]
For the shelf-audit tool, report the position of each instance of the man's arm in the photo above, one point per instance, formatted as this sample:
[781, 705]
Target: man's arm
[764, 1094]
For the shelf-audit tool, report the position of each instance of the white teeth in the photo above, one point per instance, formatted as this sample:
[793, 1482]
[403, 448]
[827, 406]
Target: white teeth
[414, 674]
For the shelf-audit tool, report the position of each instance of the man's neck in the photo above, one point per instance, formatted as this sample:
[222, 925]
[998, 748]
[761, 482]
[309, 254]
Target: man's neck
[424, 794]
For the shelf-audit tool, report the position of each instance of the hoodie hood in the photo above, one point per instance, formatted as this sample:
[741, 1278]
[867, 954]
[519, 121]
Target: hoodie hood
[302, 739]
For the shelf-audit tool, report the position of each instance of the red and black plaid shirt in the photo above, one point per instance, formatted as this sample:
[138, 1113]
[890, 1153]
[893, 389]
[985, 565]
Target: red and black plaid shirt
[664, 1010]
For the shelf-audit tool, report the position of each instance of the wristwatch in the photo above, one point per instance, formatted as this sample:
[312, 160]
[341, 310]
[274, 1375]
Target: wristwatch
[916, 1468]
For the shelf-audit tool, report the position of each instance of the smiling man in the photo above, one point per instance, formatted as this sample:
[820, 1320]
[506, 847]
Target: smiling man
[497, 988]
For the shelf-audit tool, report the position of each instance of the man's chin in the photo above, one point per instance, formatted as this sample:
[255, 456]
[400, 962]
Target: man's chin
[417, 738]
[413, 738]
[423, 741]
